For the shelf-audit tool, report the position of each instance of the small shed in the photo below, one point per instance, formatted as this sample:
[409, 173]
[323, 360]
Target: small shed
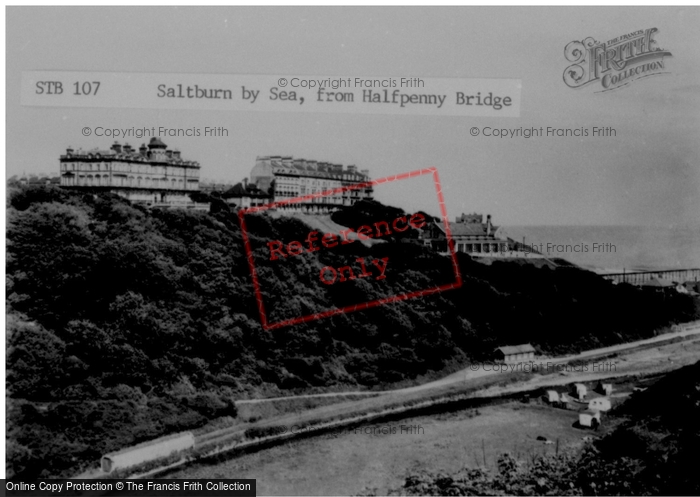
[551, 396]
[604, 388]
[590, 419]
[515, 353]
[579, 391]
[600, 404]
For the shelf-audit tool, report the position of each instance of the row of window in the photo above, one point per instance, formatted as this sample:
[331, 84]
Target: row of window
[482, 247]
[129, 168]
[334, 176]
[336, 198]
[131, 181]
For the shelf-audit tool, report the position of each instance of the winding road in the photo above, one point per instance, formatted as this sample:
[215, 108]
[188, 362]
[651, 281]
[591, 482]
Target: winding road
[476, 371]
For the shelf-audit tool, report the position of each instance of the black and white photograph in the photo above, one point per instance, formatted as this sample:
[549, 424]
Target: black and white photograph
[352, 250]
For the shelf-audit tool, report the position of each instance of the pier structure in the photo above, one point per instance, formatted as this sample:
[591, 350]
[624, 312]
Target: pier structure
[640, 277]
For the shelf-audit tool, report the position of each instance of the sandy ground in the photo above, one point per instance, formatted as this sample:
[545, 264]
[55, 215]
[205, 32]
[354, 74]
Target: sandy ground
[379, 455]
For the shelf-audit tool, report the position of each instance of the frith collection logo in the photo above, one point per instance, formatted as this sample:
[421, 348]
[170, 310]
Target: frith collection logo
[615, 63]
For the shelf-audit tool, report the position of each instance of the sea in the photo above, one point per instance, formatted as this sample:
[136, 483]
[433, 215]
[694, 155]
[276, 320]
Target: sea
[611, 249]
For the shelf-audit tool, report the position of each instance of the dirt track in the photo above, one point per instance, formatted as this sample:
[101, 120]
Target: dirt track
[502, 423]
[478, 370]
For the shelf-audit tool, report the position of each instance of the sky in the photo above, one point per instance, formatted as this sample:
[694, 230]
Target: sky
[648, 175]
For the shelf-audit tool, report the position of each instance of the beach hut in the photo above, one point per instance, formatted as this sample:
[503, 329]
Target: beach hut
[600, 404]
[551, 396]
[579, 391]
[589, 419]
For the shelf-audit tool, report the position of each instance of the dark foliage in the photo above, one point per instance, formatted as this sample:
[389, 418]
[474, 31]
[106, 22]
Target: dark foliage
[148, 321]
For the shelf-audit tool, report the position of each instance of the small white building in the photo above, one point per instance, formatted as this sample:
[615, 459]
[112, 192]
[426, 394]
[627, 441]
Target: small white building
[604, 388]
[147, 451]
[551, 396]
[579, 391]
[590, 419]
[515, 353]
[600, 404]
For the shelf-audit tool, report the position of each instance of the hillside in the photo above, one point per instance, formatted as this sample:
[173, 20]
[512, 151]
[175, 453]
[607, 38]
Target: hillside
[126, 324]
[321, 222]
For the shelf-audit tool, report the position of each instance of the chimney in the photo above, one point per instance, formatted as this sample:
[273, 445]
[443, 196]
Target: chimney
[176, 154]
[69, 150]
[127, 148]
[117, 147]
[245, 183]
[488, 224]
[352, 169]
[142, 149]
[169, 153]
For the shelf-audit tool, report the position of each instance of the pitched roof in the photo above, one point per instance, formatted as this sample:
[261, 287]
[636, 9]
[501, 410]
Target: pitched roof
[320, 169]
[239, 190]
[468, 229]
[516, 349]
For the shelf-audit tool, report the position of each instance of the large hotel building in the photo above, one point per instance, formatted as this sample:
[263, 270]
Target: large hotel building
[157, 176]
[277, 178]
[151, 174]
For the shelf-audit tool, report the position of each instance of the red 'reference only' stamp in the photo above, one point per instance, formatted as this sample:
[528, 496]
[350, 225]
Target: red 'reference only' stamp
[371, 268]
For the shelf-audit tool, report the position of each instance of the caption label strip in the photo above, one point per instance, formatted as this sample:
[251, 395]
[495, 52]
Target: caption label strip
[277, 93]
[330, 275]
[129, 488]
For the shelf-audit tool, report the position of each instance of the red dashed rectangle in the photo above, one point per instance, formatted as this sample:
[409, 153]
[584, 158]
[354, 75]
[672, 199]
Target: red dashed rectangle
[365, 305]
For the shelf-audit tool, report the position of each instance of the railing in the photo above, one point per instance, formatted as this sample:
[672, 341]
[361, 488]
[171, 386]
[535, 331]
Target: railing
[636, 278]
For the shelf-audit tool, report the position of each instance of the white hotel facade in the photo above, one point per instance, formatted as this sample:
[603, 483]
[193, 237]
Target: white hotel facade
[152, 174]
